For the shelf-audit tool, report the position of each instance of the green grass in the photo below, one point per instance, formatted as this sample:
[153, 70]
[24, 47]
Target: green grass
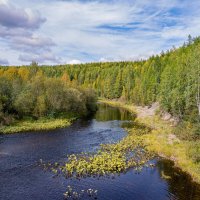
[184, 153]
[36, 125]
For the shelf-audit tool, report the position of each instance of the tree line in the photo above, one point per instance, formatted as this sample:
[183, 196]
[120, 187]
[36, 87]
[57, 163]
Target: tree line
[171, 78]
[27, 92]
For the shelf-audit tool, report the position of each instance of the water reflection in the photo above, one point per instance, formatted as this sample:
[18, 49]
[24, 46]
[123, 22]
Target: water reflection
[21, 178]
[108, 113]
[180, 185]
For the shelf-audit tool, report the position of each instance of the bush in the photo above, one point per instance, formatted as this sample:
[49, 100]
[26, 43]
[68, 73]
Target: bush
[188, 131]
[41, 96]
[194, 151]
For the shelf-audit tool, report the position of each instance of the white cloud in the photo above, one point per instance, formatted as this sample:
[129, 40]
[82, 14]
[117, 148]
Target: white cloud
[72, 62]
[3, 1]
[92, 30]
[3, 61]
[12, 16]
[33, 44]
[18, 26]
[40, 58]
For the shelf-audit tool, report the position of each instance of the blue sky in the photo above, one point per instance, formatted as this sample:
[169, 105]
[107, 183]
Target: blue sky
[68, 31]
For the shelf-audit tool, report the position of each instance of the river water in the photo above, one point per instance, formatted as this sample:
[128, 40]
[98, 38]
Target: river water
[21, 178]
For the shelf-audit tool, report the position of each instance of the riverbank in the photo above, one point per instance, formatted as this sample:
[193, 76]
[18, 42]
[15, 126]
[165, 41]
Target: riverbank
[162, 139]
[36, 125]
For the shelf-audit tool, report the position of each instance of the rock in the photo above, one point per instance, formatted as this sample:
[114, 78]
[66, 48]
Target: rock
[166, 116]
[174, 121]
[147, 111]
[172, 139]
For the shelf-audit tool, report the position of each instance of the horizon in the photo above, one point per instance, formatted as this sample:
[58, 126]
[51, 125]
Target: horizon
[59, 32]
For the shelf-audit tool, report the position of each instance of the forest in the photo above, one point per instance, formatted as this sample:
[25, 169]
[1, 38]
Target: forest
[38, 97]
[171, 78]
[27, 92]
[99, 100]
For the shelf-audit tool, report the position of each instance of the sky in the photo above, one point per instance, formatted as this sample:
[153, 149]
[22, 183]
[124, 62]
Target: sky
[79, 31]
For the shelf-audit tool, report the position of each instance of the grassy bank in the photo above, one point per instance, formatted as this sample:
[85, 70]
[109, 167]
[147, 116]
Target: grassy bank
[36, 125]
[162, 141]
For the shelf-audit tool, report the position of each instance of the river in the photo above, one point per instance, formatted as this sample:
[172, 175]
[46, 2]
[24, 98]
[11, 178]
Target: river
[21, 178]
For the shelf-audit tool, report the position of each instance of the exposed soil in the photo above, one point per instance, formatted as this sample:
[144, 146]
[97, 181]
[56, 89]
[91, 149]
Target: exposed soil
[147, 111]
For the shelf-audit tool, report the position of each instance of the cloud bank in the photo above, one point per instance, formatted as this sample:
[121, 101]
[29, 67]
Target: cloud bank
[55, 31]
[13, 17]
[3, 62]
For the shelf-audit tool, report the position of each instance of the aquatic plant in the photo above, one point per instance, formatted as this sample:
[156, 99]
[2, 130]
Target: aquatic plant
[73, 194]
[111, 159]
[37, 125]
[185, 154]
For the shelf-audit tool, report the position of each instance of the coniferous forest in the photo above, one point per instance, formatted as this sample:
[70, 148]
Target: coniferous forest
[99, 100]
[35, 98]
[172, 79]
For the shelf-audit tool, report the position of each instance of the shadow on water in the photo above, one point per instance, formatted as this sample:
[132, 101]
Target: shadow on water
[180, 185]
[21, 178]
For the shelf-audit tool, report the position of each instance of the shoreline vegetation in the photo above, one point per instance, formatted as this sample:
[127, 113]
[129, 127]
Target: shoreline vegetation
[109, 160]
[171, 78]
[36, 125]
[32, 101]
[162, 140]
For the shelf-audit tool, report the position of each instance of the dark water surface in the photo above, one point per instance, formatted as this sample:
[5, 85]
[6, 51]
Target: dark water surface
[22, 179]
